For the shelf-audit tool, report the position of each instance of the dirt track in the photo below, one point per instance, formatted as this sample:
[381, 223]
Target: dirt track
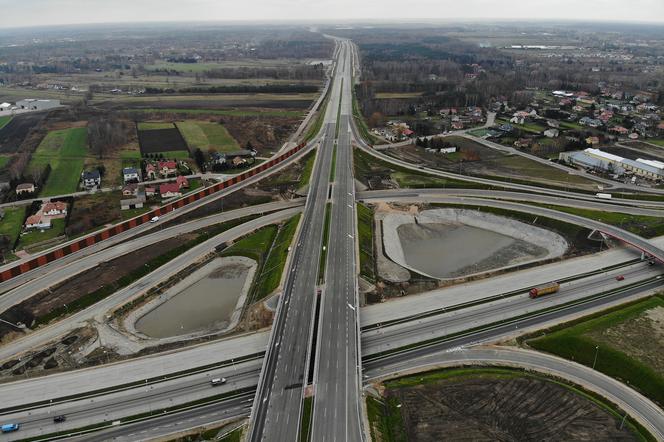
[502, 408]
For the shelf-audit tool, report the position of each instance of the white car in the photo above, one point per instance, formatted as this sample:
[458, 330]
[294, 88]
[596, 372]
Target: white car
[154, 219]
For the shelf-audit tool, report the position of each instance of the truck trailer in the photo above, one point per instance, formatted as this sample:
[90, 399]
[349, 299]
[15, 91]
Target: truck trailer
[544, 289]
[604, 196]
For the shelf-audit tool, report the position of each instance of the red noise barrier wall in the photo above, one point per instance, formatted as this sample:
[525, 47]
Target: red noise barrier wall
[134, 222]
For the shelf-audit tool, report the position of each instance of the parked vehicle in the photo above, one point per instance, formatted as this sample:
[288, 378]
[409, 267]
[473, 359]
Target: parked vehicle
[604, 196]
[59, 419]
[620, 278]
[217, 381]
[8, 428]
[544, 289]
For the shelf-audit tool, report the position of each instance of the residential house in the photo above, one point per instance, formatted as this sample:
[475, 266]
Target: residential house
[25, 188]
[151, 171]
[57, 208]
[91, 180]
[37, 222]
[182, 182]
[167, 168]
[619, 130]
[457, 125]
[593, 141]
[551, 133]
[5, 107]
[131, 175]
[523, 143]
[130, 189]
[150, 191]
[169, 190]
[238, 162]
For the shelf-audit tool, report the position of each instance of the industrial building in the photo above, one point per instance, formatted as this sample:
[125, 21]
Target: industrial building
[607, 162]
[34, 104]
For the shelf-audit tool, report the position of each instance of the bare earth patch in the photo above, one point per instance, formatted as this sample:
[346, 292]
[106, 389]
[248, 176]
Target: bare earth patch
[641, 337]
[490, 408]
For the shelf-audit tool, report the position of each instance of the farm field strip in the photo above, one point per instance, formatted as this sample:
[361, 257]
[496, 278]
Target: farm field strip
[65, 151]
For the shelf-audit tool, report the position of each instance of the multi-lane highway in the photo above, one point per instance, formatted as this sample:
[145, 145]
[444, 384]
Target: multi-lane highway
[438, 338]
[279, 398]
[337, 408]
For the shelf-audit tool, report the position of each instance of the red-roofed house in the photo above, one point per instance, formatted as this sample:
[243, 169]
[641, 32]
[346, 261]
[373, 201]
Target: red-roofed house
[167, 168]
[151, 171]
[407, 132]
[169, 190]
[619, 130]
[182, 182]
[37, 222]
[54, 209]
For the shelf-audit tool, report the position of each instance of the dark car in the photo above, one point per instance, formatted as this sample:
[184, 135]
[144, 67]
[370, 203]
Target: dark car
[59, 419]
[620, 278]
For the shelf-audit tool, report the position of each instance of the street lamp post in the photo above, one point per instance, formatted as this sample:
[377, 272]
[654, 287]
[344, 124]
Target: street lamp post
[596, 353]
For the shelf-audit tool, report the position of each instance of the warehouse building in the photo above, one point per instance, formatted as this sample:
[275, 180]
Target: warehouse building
[34, 104]
[599, 160]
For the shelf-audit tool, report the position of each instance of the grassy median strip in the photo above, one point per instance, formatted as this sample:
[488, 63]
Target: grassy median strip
[305, 425]
[365, 230]
[326, 240]
[334, 163]
[98, 295]
[581, 343]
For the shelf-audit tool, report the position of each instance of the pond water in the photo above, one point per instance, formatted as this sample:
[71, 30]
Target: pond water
[206, 304]
[451, 250]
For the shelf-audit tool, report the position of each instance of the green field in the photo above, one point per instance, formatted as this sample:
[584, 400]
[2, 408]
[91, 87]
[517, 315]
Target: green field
[207, 136]
[12, 223]
[653, 141]
[35, 237]
[172, 154]
[623, 344]
[65, 150]
[3, 161]
[5, 120]
[154, 125]
[528, 127]
[228, 112]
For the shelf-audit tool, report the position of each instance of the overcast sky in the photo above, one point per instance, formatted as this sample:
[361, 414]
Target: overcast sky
[15, 13]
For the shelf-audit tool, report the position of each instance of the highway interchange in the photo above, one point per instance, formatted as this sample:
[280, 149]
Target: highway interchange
[323, 332]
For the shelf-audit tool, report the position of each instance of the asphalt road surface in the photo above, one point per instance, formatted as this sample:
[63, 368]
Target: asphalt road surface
[336, 411]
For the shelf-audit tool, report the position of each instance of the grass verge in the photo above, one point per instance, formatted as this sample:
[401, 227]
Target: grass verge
[572, 341]
[273, 269]
[365, 230]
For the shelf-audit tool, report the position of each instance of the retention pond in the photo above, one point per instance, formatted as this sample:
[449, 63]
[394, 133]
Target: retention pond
[205, 300]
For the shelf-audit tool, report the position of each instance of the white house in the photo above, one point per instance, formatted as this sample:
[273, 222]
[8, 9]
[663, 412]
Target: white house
[5, 107]
[91, 179]
[131, 175]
